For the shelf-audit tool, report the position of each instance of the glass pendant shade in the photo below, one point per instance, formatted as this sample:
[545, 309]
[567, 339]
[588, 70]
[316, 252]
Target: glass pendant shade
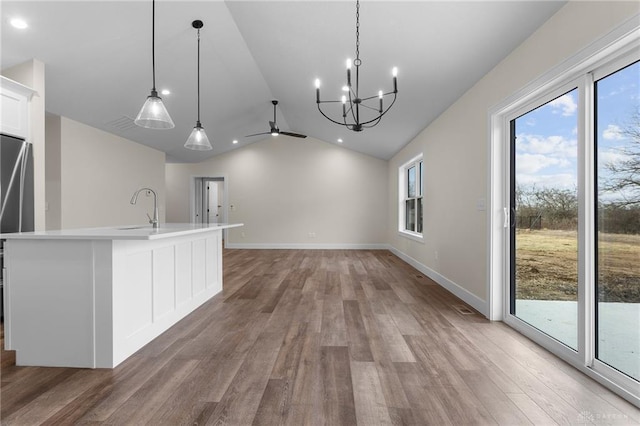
[153, 114]
[198, 140]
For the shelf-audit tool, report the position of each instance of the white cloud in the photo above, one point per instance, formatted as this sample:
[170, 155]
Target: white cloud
[546, 161]
[622, 89]
[559, 180]
[566, 103]
[611, 157]
[612, 133]
[556, 146]
[533, 163]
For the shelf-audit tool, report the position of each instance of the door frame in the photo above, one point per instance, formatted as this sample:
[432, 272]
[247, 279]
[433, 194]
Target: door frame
[225, 198]
[620, 42]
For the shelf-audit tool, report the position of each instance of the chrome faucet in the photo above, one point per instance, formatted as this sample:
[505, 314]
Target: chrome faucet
[153, 221]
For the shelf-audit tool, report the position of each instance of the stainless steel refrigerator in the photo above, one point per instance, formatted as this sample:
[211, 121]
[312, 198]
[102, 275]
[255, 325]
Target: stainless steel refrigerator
[16, 193]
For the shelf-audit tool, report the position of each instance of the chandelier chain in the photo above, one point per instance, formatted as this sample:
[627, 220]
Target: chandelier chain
[358, 31]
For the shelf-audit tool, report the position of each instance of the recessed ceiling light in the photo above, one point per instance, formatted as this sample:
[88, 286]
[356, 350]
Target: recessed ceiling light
[339, 140]
[166, 92]
[235, 141]
[19, 23]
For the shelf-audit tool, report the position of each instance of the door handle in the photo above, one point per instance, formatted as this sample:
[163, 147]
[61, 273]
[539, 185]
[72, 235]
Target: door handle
[506, 217]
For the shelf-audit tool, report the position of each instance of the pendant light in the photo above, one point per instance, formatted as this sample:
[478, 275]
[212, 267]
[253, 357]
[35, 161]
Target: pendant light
[198, 140]
[153, 114]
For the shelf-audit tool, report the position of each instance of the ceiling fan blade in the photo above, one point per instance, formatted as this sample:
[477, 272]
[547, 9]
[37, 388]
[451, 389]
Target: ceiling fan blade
[274, 127]
[295, 135]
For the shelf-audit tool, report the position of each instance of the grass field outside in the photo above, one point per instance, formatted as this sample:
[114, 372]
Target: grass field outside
[547, 291]
[547, 266]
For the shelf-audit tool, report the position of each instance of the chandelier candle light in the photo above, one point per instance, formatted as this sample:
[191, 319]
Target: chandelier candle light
[153, 114]
[352, 102]
[198, 140]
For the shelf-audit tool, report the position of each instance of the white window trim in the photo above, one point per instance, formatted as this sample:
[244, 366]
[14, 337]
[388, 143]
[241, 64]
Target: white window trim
[621, 42]
[402, 184]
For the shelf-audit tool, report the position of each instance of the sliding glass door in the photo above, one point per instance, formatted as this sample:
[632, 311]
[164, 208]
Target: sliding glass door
[573, 219]
[617, 147]
[544, 218]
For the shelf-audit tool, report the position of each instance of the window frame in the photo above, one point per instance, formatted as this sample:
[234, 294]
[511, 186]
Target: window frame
[404, 197]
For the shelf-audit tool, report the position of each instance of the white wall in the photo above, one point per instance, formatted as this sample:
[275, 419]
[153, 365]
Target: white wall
[98, 174]
[31, 74]
[284, 188]
[455, 150]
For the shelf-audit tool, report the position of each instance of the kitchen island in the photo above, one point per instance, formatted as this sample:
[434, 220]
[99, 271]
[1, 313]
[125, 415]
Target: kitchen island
[92, 297]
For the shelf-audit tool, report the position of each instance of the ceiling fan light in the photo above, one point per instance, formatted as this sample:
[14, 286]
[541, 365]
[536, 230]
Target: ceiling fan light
[153, 114]
[198, 140]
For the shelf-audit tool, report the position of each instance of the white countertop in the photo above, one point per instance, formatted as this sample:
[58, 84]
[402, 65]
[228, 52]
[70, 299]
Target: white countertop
[132, 232]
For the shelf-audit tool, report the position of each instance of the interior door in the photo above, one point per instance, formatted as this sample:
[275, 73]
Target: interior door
[209, 201]
[213, 201]
[199, 196]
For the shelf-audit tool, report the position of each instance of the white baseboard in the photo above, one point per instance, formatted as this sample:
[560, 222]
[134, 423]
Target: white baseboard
[460, 292]
[306, 246]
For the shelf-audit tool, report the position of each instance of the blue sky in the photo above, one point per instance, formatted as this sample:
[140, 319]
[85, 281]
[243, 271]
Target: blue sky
[547, 146]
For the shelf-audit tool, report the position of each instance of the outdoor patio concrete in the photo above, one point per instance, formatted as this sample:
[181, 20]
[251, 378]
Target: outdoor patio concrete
[618, 329]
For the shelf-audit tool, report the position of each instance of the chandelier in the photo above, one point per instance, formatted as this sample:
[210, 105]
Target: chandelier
[352, 104]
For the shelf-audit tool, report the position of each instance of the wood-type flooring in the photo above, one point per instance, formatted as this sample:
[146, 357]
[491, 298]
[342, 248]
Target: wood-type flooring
[320, 337]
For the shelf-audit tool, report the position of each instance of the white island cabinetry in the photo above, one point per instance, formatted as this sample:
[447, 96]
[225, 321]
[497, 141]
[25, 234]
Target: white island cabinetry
[93, 297]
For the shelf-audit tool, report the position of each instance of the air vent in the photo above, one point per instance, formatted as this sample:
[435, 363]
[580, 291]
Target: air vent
[463, 310]
[122, 124]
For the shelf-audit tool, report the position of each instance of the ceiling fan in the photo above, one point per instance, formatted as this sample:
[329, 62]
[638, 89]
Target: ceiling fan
[275, 131]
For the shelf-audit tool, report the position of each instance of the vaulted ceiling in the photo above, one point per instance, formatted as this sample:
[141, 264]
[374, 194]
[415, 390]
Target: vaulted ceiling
[98, 62]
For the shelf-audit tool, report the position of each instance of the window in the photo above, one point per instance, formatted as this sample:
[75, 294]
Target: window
[410, 178]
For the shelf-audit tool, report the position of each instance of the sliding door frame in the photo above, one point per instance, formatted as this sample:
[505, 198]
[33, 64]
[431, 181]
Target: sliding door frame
[560, 349]
[615, 47]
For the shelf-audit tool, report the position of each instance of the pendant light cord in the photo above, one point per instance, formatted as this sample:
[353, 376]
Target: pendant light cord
[153, 43]
[198, 76]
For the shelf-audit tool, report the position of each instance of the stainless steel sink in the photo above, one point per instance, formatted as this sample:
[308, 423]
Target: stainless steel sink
[126, 228]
